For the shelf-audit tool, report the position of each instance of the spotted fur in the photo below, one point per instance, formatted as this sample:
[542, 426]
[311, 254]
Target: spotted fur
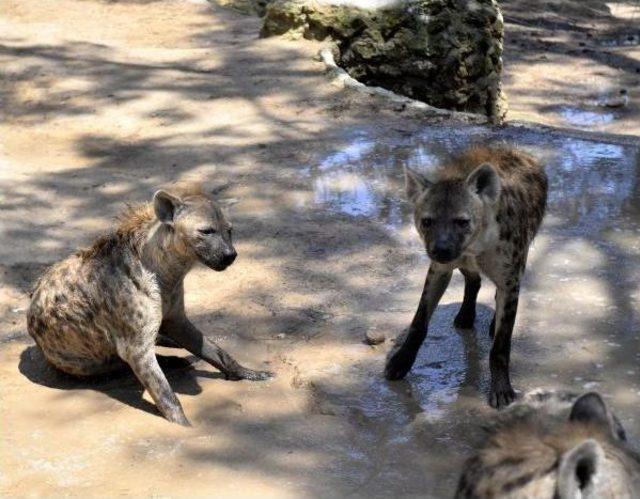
[530, 451]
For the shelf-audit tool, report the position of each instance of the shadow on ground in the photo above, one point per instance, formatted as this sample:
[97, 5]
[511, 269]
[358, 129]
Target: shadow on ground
[327, 253]
[121, 385]
[574, 63]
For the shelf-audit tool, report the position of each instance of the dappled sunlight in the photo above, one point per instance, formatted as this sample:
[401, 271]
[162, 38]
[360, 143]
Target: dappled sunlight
[312, 278]
[564, 59]
[327, 252]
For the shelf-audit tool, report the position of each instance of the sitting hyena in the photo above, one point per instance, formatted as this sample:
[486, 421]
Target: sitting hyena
[478, 212]
[553, 446]
[115, 300]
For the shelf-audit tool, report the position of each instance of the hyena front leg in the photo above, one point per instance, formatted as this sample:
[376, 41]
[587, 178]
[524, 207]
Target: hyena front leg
[181, 330]
[502, 393]
[492, 326]
[164, 341]
[145, 366]
[404, 352]
[467, 313]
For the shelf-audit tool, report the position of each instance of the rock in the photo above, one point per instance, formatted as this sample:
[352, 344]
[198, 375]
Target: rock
[374, 337]
[447, 53]
[250, 7]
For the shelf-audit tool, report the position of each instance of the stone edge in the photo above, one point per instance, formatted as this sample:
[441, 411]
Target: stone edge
[339, 77]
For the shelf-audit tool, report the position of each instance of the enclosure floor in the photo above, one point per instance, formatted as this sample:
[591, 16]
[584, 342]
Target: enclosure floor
[104, 101]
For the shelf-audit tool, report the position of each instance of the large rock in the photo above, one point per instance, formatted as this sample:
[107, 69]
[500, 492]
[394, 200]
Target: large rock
[447, 53]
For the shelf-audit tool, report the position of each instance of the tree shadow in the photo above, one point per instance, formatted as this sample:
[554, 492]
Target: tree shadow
[322, 224]
[601, 47]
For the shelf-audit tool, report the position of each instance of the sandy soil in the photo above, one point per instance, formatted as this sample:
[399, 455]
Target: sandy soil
[574, 63]
[103, 101]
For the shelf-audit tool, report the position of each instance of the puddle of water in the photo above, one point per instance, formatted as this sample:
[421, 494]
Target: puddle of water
[451, 361]
[583, 118]
[341, 183]
[590, 182]
[351, 192]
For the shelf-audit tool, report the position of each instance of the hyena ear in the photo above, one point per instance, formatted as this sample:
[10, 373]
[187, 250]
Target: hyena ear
[591, 409]
[415, 184]
[579, 470]
[227, 202]
[219, 189]
[485, 182]
[165, 206]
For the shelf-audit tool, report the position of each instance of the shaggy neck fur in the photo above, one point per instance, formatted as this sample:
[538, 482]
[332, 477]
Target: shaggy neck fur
[164, 254]
[160, 249]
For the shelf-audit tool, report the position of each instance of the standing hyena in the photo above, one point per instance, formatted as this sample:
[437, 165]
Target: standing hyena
[553, 444]
[115, 300]
[478, 212]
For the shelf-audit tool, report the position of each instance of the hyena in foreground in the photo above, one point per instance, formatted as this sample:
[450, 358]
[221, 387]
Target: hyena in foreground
[553, 445]
[478, 212]
[115, 300]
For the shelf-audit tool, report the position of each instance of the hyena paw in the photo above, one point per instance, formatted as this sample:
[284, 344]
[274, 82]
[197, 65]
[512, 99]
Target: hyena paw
[399, 364]
[249, 374]
[176, 415]
[183, 421]
[259, 375]
[501, 396]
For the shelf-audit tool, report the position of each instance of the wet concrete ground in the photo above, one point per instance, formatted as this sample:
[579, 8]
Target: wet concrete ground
[345, 259]
[578, 321]
[327, 253]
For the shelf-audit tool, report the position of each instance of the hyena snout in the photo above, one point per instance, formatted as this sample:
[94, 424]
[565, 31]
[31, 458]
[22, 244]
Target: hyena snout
[443, 250]
[228, 256]
[216, 252]
[221, 259]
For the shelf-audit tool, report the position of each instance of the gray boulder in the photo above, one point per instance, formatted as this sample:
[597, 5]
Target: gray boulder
[447, 53]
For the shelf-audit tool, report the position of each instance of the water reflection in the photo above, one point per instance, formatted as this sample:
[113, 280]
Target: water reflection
[589, 181]
[343, 182]
[579, 117]
[450, 361]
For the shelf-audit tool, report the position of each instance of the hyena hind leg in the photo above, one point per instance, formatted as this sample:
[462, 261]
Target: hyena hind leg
[467, 313]
[146, 368]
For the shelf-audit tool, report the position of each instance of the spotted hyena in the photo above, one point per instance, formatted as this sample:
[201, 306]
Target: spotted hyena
[115, 300]
[478, 212]
[553, 445]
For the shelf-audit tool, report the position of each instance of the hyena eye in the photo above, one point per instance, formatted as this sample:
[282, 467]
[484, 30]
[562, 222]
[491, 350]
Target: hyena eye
[208, 231]
[463, 223]
[426, 222]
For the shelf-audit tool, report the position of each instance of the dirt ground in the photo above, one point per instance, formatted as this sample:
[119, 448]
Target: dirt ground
[574, 64]
[104, 101]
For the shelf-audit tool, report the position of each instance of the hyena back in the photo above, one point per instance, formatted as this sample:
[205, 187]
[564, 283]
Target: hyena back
[477, 212]
[553, 445]
[111, 303]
